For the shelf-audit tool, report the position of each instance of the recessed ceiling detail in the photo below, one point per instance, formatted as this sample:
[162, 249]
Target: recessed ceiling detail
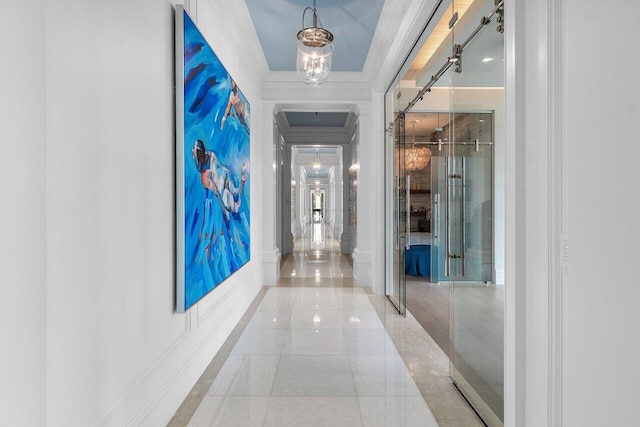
[352, 22]
[323, 173]
[320, 150]
[303, 118]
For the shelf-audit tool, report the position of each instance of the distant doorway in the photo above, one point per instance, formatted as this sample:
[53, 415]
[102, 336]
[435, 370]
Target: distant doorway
[317, 205]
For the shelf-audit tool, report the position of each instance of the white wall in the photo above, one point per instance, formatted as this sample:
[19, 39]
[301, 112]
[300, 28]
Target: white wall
[572, 343]
[23, 212]
[347, 233]
[116, 351]
[268, 164]
[600, 112]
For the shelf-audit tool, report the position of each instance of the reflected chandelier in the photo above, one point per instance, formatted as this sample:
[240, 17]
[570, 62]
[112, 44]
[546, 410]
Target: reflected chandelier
[416, 158]
[314, 51]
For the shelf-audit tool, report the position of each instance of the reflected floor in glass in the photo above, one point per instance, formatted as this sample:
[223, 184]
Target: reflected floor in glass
[429, 304]
[478, 340]
[478, 332]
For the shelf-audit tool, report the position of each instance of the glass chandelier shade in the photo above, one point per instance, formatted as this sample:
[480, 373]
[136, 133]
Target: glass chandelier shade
[316, 163]
[314, 51]
[416, 158]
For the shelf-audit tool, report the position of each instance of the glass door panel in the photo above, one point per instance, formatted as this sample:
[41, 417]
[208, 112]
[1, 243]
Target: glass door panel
[440, 159]
[477, 314]
[395, 203]
[398, 296]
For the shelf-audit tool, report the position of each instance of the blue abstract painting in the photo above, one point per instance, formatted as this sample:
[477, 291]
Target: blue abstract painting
[215, 176]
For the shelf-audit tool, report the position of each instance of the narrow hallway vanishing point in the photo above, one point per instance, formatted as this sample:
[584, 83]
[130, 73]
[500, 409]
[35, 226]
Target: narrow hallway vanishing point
[317, 350]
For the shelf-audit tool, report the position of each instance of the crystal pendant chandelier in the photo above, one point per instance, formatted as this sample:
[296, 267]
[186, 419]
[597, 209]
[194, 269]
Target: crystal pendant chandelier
[316, 163]
[315, 50]
[416, 158]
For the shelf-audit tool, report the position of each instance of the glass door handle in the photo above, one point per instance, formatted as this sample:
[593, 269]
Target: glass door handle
[447, 264]
[435, 219]
[463, 186]
[396, 191]
[408, 221]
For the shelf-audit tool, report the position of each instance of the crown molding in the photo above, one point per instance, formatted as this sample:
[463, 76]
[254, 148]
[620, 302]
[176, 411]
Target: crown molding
[400, 25]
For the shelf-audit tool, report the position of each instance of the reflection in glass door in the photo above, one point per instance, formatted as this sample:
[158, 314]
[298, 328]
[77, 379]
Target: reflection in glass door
[465, 195]
[469, 189]
[476, 301]
[397, 293]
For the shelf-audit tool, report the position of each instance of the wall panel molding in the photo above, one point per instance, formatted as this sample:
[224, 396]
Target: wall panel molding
[362, 270]
[178, 372]
[516, 14]
[557, 225]
[137, 384]
[206, 308]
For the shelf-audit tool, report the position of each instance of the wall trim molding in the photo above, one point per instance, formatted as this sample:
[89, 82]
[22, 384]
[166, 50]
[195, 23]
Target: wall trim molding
[144, 382]
[515, 325]
[361, 267]
[231, 283]
[271, 266]
[137, 383]
[272, 255]
[177, 373]
[557, 180]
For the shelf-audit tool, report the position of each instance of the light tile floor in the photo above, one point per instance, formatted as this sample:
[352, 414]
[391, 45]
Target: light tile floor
[314, 362]
[317, 351]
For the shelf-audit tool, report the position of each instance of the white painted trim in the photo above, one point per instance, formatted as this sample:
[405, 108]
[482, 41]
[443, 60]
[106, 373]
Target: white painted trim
[139, 383]
[536, 177]
[399, 37]
[228, 287]
[378, 253]
[361, 267]
[251, 52]
[515, 314]
[271, 266]
[335, 77]
[499, 276]
[195, 362]
[297, 93]
[557, 180]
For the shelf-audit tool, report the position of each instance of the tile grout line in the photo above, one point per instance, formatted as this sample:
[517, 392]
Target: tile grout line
[404, 357]
[270, 402]
[188, 407]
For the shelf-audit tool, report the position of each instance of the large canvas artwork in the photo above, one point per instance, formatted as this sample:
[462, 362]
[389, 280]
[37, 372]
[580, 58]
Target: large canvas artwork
[212, 168]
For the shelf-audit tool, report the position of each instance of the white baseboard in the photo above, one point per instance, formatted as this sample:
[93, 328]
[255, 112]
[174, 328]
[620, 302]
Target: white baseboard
[271, 267]
[362, 267]
[152, 397]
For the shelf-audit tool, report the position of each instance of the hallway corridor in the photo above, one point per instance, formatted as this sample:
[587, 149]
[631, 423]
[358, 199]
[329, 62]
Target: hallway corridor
[318, 351]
